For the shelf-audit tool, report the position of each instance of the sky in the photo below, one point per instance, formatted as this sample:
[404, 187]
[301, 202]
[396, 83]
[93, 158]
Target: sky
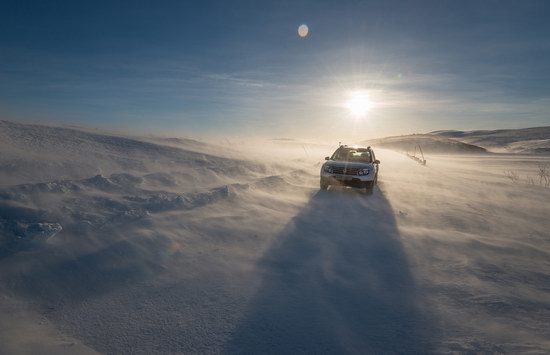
[240, 67]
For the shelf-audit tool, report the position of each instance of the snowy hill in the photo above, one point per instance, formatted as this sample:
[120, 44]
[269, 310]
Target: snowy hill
[32, 153]
[125, 245]
[527, 140]
[430, 144]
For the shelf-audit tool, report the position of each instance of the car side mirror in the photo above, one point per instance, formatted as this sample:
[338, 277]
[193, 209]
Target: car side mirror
[377, 161]
[327, 158]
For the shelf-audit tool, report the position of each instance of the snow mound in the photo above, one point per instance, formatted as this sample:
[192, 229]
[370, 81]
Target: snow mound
[19, 229]
[52, 187]
[101, 183]
[290, 182]
[43, 231]
[162, 179]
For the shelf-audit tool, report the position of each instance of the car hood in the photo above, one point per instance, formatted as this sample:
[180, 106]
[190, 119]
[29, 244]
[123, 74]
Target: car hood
[348, 164]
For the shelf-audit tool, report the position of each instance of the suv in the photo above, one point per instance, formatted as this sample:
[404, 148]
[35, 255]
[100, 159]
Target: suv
[351, 166]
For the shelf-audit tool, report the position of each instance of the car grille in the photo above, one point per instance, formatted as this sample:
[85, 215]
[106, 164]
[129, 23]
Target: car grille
[345, 171]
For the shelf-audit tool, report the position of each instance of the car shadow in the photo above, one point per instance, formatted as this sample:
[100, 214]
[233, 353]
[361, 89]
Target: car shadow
[337, 280]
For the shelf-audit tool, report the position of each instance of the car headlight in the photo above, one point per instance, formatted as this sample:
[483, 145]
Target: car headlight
[328, 169]
[363, 172]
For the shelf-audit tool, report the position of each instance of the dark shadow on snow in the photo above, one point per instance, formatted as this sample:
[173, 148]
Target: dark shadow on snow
[337, 281]
[53, 279]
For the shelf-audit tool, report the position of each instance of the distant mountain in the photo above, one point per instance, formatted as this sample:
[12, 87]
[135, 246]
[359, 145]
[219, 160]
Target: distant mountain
[429, 143]
[526, 140]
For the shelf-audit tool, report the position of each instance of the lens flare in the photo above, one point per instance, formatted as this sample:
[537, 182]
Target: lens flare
[303, 30]
[165, 255]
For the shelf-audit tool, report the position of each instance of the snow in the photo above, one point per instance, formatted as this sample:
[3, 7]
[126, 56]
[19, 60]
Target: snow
[24, 332]
[149, 245]
[526, 140]
[535, 140]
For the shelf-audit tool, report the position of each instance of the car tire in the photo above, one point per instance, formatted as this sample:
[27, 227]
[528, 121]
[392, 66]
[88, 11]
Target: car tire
[323, 185]
[369, 189]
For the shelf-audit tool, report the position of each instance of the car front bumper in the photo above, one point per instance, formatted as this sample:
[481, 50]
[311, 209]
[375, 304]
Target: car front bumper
[347, 180]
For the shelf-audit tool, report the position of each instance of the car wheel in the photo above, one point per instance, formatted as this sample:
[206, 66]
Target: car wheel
[369, 189]
[323, 185]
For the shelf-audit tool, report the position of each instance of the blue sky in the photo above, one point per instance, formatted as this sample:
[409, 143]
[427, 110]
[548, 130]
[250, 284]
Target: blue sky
[240, 68]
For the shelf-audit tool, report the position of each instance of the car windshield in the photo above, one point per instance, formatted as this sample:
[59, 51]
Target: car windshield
[352, 154]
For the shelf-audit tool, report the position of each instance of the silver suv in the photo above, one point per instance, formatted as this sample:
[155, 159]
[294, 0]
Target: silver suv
[351, 166]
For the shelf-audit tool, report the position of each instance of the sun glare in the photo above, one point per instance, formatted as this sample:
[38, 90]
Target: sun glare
[359, 103]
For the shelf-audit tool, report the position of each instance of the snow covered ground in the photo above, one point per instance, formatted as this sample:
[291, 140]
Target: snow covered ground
[535, 140]
[124, 245]
[526, 140]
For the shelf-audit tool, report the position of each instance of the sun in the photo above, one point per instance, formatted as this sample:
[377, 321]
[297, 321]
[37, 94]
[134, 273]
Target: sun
[359, 103]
